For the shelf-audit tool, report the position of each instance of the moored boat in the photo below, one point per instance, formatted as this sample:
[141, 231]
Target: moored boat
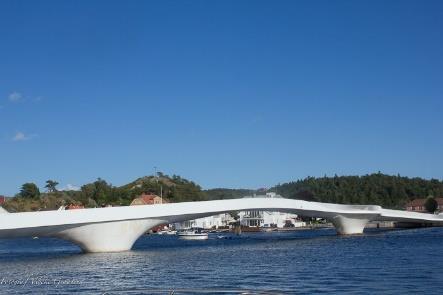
[193, 235]
[167, 232]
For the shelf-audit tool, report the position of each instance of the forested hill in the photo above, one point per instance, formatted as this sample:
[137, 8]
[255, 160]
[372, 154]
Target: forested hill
[101, 193]
[377, 189]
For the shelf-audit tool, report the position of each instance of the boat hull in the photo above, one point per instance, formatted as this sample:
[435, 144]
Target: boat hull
[193, 237]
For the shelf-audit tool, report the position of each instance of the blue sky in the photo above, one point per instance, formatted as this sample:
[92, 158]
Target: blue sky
[226, 93]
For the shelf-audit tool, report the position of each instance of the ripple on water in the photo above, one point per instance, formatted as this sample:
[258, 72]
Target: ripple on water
[302, 262]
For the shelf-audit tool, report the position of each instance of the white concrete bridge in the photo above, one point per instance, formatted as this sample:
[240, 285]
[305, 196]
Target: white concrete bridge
[117, 228]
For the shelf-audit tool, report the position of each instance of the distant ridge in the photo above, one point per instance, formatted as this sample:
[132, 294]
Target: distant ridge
[378, 189]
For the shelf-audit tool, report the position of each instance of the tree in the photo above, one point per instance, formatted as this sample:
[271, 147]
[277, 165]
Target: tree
[376, 189]
[29, 190]
[99, 191]
[51, 185]
[431, 204]
[102, 191]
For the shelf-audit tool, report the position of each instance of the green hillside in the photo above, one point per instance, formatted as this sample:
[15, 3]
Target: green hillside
[378, 189]
[101, 193]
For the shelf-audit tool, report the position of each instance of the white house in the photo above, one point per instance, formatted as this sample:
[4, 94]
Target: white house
[252, 218]
[268, 218]
[210, 222]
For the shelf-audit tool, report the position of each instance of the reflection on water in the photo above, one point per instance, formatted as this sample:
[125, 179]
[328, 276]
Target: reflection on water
[293, 262]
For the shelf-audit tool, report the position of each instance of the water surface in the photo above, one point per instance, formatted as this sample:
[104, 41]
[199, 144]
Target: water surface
[300, 262]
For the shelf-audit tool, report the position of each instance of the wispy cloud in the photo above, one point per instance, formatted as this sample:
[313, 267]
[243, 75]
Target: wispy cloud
[71, 187]
[20, 136]
[15, 96]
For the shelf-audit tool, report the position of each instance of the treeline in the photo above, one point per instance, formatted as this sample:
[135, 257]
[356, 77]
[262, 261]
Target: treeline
[101, 193]
[377, 189]
[174, 188]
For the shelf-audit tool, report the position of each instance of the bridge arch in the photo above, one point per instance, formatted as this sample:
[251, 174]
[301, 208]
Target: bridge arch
[117, 228]
[120, 236]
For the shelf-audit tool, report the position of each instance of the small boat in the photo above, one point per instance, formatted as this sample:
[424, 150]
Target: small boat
[167, 232]
[193, 235]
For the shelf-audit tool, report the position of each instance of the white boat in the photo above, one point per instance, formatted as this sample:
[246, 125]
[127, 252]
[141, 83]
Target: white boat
[193, 235]
[167, 232]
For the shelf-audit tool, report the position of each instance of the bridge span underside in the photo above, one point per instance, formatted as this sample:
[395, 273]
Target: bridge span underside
[117, 228]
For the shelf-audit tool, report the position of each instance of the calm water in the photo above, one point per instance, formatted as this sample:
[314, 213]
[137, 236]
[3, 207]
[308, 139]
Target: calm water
[403, 261]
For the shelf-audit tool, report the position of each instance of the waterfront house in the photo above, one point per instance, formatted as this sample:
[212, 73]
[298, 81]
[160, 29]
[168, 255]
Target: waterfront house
[148, 199]
[418, 205]
[210, 222]
[256, 218]
[250, 218]
[2, 200]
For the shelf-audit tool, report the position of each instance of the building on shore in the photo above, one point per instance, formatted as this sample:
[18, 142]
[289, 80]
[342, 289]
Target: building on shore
[210, 222]
[257, 218]
[148, 199]
[418, 205]
[2, 200]
[250, 218]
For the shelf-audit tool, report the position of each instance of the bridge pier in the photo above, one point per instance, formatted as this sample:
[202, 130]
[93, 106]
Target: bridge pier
[115, 236]
[349, 226]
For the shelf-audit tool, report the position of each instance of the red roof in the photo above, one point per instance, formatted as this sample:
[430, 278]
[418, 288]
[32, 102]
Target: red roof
[421, 202]
[148, 198]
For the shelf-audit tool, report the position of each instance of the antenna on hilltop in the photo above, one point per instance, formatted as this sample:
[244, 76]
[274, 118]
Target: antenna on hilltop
[161, 185]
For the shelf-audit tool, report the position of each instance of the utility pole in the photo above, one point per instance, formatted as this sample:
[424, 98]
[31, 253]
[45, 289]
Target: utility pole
[161, 185]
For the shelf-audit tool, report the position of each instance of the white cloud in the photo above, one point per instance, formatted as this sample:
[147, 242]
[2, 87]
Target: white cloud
[71, 187]
[15, 96]
[20, 136]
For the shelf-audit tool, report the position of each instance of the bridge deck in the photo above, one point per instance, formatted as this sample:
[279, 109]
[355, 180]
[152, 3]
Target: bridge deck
[190, 210]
